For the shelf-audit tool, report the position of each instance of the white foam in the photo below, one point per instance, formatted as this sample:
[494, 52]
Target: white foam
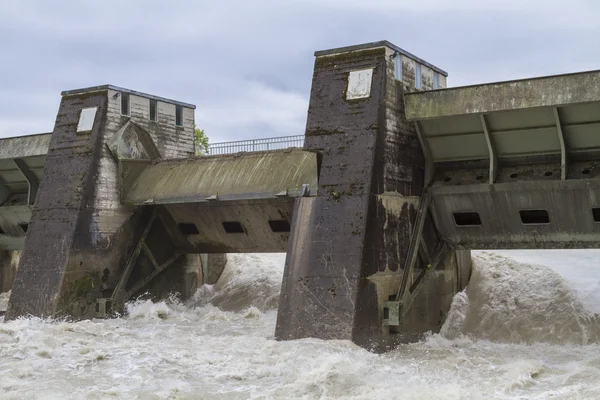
[508, 301]
[166, 349]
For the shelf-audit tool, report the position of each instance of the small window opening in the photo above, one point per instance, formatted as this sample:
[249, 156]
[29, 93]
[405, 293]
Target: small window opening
[586, 172]
[24, 227]
[513, 176]
[548, 173]
[233, 227]
[469, 218]
[188, 228]
[436, 80]
[398, 65]
[534, 216]
[596, 214]
[418, 76]
[279, 225]
[1, 231]
[125, 103]
[153, 106]
[178, 115]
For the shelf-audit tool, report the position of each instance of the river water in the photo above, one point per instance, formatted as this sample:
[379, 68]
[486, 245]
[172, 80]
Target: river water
[524, 329]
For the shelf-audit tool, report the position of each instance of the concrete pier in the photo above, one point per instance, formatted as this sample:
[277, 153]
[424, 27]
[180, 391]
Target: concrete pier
[349, 245]
[81, 235]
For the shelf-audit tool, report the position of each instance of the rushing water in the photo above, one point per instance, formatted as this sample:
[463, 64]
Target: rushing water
[519, 331]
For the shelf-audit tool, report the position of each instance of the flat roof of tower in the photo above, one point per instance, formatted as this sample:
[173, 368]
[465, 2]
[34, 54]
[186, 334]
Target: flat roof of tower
[380, 43]
[124, 90]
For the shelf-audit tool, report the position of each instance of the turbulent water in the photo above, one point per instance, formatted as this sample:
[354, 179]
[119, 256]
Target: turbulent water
[519, 331]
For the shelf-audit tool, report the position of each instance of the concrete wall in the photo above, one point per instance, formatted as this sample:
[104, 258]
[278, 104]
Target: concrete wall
[348, 246]
[81, 236]
[9, 262]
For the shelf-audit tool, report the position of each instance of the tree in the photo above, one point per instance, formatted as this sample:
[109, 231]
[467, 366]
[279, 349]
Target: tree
[200, 141]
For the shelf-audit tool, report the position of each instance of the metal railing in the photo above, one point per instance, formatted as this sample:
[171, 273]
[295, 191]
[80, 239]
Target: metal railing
[275, 143]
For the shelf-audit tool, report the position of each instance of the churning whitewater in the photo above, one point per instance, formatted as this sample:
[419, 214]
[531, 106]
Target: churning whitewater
[520, 330]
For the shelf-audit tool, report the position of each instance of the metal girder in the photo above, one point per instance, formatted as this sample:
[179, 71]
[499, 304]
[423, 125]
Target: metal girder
[491, 150]
[119, 293]
[409, 288]
[4, 191]
[414, 246]
[429, 166]
[31, 179]
[157, 270]
[563, 147]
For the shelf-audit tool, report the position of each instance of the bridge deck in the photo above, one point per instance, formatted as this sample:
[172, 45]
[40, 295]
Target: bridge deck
[241, 176]
[523, 118]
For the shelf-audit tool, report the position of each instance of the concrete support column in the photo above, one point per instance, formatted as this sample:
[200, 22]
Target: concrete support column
[349, 244]
[9, 261]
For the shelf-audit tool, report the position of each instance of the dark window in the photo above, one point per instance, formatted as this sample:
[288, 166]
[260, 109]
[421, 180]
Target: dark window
[469, 218]
[233, 227]
[1, 231]
[153, 110]
[125, 103]
[596, 214]
[188, 228]
[534, 216]
[279, 225]
[24, 227]
[178, 115]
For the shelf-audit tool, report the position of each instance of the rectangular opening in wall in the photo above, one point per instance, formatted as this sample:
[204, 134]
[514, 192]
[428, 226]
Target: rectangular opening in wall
[1, 231]
[398, 67]
[153, 106]
[534, 216]
[436, 80]
[233, 227]
[418, 76]
[188, 228]
[125, 103]
[467, 218]
[178, 115]
[280, 225]
[596, 214]
[24, 227]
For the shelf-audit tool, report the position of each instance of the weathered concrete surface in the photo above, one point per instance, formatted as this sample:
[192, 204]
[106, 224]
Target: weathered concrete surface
[47, 280]
[213, 266]
[348, 245]
[9, 262]
[14, 220]
[25, 146]
[548, 91]
[81, 236]
[241, 176]
[253, 216]
[569, 205]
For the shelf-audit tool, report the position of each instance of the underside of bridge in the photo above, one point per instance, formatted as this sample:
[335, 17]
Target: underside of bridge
[398, 179]
[514, 164]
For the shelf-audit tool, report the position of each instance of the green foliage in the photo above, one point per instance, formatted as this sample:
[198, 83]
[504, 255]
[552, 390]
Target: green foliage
[200, 141]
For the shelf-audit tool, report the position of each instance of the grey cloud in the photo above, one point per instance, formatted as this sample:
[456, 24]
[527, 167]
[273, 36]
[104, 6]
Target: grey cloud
[248, 65]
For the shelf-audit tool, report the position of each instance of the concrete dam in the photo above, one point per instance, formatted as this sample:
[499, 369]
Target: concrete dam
[397, 179]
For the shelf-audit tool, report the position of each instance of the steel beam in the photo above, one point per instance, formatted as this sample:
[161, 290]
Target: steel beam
[119, 293]
[429, 166]
[145, 280]
[563, 147]
[4, 191]
[31, 179]
[491, 150]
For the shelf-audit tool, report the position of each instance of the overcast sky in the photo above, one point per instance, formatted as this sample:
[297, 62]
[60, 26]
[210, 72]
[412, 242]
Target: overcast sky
[247, 65]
